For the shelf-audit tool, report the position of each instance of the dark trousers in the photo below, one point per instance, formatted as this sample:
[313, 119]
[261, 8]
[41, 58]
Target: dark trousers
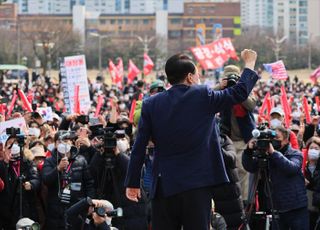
[297, 219]
[190, 209]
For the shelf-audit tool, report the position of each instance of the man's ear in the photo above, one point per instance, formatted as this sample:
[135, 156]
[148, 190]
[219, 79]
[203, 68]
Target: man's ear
[189, 78]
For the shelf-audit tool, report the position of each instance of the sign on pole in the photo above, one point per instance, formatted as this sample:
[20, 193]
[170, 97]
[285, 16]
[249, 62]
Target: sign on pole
[75, 73]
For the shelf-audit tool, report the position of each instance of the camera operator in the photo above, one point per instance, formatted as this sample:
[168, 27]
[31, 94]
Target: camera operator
[11, 169]
[238, 123]
[112, 187]
[97, 213]
[277, 119]
[67, 177]
[288, 190]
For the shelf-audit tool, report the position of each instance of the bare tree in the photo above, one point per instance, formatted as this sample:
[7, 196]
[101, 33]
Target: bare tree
[49, 38]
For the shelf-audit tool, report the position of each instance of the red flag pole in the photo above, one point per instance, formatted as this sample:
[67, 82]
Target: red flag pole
[99, 105]
[76, 99]
[24, 100]
[13, 101]
[133, 107]
[285, 106]
[318, 103]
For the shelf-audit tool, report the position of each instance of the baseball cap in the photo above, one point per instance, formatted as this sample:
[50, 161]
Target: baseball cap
[157, 84]
[277, 110]
[231, 70]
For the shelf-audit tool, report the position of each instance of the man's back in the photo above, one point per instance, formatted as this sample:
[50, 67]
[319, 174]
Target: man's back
[181, 123]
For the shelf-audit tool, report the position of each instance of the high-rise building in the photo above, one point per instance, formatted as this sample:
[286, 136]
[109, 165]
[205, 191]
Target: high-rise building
[291, 20]
[257, 13]
[314, 20]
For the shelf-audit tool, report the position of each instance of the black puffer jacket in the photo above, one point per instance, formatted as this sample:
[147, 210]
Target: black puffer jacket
[134, 214]
[79, 179]
[10, 196]
[227, 197]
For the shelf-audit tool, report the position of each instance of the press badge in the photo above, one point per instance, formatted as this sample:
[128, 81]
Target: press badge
[75, 186]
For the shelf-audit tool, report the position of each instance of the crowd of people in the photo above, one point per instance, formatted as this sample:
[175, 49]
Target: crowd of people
[82, 159]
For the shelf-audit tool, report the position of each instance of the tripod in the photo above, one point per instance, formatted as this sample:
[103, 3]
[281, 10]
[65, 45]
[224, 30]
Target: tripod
[263, 173]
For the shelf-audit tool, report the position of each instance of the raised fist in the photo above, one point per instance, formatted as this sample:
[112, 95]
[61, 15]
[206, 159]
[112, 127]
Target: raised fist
[249, 55]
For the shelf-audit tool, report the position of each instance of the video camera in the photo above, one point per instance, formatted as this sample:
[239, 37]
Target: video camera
[232, 80]
[101, 211]
[264, 137]
[109, 142]
[15, 132]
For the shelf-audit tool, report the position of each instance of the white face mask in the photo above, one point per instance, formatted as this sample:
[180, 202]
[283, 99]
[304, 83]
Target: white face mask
[15, 151]
[111, 94]
[122, 145]
[274, 123]
[313, 154]
[34, 132]
[50, 147]
[63, 148]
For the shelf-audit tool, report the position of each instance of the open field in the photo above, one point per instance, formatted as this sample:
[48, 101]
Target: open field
[303, 74]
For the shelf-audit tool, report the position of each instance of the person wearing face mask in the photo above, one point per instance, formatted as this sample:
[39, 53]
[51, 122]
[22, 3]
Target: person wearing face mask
[188, 161]
[114, 190]
[312, 177]
[237, 123]
[287, 183]
[276, 120]
[11, 168]
[68, 178]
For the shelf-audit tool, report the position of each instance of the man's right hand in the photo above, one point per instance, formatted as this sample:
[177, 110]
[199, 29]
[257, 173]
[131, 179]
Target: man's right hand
[63, 164]
[249, 57]
[133, 194]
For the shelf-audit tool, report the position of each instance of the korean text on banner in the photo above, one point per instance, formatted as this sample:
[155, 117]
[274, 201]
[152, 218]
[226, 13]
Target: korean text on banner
[215, 54]
[15, 123]
[76, 74]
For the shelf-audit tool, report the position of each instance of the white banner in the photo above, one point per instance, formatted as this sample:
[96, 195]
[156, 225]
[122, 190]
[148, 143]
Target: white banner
[15, 123]
[76, 74]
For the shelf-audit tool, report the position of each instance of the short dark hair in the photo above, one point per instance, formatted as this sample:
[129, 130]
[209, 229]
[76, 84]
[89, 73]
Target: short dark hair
[178, 67]
[285, 132]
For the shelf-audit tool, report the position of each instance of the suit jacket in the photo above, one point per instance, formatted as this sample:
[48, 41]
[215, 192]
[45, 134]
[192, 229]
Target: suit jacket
[181, 123]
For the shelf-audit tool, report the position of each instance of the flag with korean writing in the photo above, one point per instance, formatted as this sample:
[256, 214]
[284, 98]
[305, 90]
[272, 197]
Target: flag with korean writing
[277, 70]
[215, 54]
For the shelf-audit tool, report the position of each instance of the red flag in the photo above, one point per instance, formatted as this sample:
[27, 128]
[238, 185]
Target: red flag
[133, 71]
[120, 68]
[285, 106]
[25, 102]
[30, 96]
[99, 105]
[266, 105]
[13, 101]
[147, 64]
[315, 74]
[113, 71]
[133, 107]
[306, 110]
[76, 99]
[318, 103]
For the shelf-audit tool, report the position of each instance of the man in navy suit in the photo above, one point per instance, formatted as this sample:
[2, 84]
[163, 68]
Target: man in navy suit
[187, 161]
